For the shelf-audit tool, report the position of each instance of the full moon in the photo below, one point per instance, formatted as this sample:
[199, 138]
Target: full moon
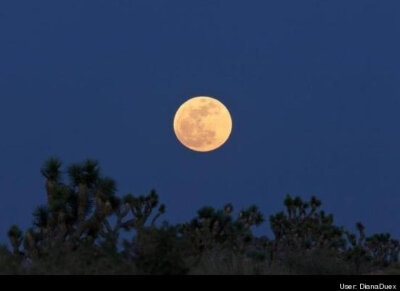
[202, 124]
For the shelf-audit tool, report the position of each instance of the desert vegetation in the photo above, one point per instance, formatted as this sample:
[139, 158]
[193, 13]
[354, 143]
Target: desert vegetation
[86, 228]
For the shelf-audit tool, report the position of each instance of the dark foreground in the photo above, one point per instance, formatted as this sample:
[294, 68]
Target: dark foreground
[86, 229]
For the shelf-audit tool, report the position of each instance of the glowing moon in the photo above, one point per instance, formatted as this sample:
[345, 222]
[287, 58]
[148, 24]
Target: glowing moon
[202, 124]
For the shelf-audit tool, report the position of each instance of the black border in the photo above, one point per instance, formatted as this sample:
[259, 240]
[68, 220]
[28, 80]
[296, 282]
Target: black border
[269, 282]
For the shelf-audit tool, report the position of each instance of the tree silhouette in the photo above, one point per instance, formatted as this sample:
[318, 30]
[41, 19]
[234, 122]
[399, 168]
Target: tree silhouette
[85, 228]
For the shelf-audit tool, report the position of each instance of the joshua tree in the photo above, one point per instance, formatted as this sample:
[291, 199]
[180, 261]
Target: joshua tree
[15, 236]
[303, 227]
[382, 249]
[84, 177]
[51, 171]
[141, 210]
[376, 251]
[356, 253]
[217, 229]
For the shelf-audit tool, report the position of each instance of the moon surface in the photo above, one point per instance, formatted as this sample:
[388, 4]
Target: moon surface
[202, 124]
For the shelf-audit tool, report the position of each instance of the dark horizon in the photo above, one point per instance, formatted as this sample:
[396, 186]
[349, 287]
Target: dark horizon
[313, 89]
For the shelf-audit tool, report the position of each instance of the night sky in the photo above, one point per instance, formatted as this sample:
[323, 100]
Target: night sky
[313, 88]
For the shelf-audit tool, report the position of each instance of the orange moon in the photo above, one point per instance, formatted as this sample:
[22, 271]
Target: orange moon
[202, 124]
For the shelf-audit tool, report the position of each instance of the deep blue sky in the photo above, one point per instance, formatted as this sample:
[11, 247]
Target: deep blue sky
[313, 88]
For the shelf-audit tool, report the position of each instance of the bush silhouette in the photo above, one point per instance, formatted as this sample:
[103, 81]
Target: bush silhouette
[85, 228]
